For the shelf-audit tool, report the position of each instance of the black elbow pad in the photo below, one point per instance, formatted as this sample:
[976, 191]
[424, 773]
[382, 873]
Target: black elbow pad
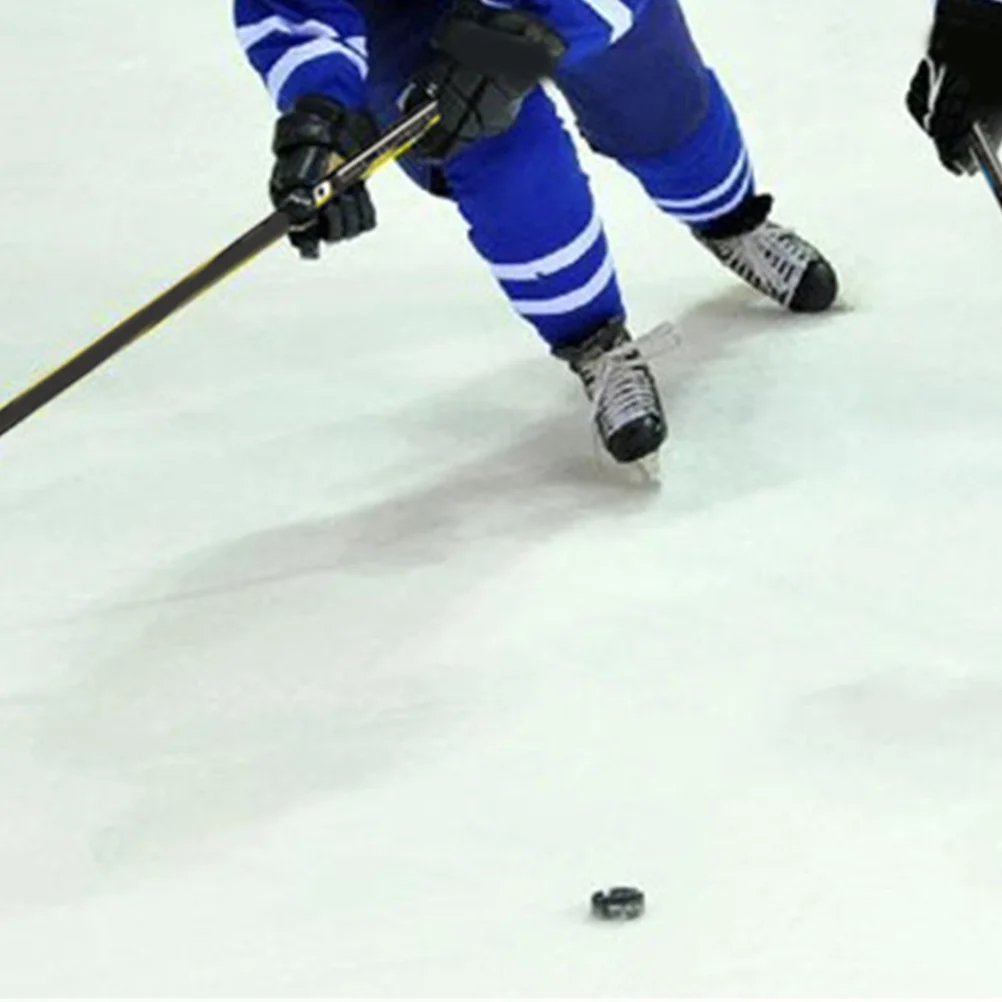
[516, 49]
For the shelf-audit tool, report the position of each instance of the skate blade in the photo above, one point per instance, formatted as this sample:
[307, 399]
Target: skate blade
[646, 472]
[643, 473]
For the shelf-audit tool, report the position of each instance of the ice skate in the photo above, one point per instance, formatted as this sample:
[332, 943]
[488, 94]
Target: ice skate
[771, 258]
[626, 406]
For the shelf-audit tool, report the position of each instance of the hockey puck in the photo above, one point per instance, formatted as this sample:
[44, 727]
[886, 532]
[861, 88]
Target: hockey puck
[618, 903]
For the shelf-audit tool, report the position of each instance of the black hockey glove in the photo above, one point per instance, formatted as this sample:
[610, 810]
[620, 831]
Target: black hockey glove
[310, 142]
[485, 62]
[960, 80]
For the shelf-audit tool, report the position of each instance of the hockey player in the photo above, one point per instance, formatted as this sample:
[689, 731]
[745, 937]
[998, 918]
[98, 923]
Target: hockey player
[960, 80]
[640, 93]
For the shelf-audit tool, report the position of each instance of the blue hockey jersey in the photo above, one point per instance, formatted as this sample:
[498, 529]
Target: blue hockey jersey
[639, 93]
[306, 46]
[324, 46]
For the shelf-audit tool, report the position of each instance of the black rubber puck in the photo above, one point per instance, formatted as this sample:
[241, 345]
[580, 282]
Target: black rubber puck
[618, 903]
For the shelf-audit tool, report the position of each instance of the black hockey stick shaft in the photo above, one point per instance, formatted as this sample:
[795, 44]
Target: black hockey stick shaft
[395, 141]
[988, 160]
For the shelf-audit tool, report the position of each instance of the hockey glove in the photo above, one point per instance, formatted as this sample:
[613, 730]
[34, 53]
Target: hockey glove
[960, 80]
[484, 64]
[310, 142]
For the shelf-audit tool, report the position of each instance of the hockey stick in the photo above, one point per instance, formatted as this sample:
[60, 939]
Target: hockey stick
[394, 142]
[988, 160]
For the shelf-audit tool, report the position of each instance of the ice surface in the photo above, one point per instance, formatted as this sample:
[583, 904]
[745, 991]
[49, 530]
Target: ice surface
[331, 664]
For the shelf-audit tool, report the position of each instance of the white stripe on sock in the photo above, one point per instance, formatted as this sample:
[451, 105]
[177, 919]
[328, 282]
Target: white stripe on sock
[570, 301]
[550, 264]
[685, 204]
[693, 218]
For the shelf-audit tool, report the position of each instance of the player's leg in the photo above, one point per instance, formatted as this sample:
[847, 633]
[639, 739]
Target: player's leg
[534, 222]
[648, 101]
[529, 205]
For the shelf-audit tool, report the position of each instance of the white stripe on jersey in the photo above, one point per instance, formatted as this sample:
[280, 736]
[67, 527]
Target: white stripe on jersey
[251, 34]
[300, 55]
[615, 13]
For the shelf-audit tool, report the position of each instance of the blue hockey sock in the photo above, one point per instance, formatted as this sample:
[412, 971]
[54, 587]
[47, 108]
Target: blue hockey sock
[533, 220]
[708, 175]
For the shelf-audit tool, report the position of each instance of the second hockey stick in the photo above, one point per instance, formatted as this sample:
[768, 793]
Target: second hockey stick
[988, 160]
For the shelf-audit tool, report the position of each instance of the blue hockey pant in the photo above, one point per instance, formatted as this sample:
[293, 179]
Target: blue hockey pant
[640, 94]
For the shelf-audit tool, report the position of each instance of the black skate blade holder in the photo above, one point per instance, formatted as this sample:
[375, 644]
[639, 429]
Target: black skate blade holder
[988, 159]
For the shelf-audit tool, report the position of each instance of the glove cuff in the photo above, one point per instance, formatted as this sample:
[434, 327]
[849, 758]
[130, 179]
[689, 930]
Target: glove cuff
[316, 120]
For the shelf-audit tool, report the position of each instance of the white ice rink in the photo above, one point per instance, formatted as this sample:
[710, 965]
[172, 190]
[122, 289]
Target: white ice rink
[331, 665]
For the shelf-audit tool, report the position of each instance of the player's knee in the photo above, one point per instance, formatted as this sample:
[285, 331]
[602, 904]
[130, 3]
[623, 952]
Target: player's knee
[534, 153]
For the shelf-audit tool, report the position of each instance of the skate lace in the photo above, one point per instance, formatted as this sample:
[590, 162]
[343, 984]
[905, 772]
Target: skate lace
[771, 258]
[619, 381]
